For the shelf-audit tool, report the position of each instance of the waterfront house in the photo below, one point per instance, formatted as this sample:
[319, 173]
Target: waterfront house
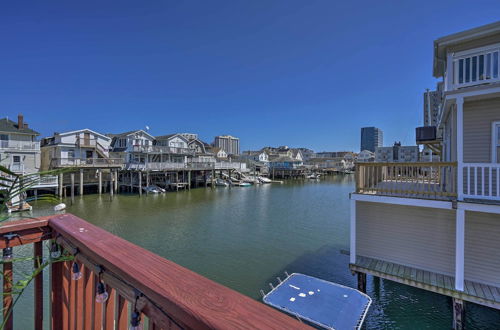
[284, 163]
[257, 156]
[19, 150]
[133, 147]
[436, 225]
[86, 151]
[365, 156]
[80, 148]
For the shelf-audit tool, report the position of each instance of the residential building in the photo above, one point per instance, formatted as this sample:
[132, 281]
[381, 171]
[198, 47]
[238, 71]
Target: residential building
[284, 163]
[81, 148]
[228, 143]
[432, 105]
[397, 153]
[435, 225]
[19, 150]
[371, 137]
[366, 156]
[258, 156]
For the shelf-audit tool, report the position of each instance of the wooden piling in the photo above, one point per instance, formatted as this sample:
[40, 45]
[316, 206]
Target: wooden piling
[116, 181]
[361, 282]
[61, 177]
[189, 180]
[99, 173]
[458, 314]
[111, 186]
[81, 182]
[72, 175]
[140, 182]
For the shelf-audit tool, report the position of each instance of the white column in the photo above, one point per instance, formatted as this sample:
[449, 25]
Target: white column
[460, 146]
[352, 248]
[459, 249]
[448, 82]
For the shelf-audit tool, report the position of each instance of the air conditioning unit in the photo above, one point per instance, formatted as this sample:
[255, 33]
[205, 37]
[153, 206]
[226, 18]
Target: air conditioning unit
[425, 134]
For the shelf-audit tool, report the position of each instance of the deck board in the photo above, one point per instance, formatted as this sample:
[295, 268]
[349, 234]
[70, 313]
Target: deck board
[479, 293]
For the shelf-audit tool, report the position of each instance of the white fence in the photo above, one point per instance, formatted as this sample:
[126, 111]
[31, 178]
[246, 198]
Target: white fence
[481, 181]
[19, 145]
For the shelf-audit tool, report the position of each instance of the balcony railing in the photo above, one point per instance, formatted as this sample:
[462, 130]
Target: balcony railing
[17, 168]
[162, 149]
[166, 295]
[86, 162]
[481, 181]
[435, 180]
[476, 67]
[159, 166]
[86, 142]
[19, 145]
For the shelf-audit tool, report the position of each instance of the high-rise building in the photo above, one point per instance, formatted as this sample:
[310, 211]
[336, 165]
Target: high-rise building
[432, 104]
[228, 143]
[371, 137]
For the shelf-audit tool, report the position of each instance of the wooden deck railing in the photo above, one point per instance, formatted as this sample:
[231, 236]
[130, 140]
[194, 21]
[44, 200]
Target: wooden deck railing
[436, 180]
[166, 294]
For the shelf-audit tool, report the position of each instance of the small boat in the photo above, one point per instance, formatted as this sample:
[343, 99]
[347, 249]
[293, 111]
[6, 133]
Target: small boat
[264, 179]
[243, 184]
[313, 176]
[221, 183]
[153, 189]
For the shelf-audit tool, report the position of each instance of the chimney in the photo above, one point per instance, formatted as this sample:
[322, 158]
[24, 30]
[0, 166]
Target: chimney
[20, 121]
[25, 125]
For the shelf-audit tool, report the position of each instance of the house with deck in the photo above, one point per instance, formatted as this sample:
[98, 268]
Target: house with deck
[19, 149]
[87, 152]
[435, 225]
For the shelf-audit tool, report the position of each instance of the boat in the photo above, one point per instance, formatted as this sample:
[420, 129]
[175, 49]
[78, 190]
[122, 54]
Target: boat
[264, 179]
[221, 183]
[153, 189]
[59, 207]
[243, 184]
[313, 176]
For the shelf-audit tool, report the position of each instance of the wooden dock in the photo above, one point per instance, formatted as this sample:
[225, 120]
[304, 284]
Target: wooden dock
[478, 293]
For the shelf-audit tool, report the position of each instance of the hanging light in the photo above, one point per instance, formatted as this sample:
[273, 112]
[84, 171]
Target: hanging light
[7, 254]
[102, 295]
[135, 321]
[77, 274]
[55, 251]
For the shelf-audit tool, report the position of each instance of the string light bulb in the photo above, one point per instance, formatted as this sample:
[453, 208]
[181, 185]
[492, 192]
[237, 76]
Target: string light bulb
[55, 251]
[7, 254]
[135, 321]
[77, 274]
[102, 295]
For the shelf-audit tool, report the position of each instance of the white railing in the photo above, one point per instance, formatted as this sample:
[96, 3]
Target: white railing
[46, 181]
[481, 181]
[476, 67]
[162, 149]
[19, 145]
[17, 168]
[86, 162]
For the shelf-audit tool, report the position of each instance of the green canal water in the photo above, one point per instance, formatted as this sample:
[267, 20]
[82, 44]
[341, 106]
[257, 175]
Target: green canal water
[244, 237]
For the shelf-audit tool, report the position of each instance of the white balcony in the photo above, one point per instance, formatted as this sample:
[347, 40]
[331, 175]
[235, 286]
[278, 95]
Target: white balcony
[473, 67]
[19, 145]
[481, 181]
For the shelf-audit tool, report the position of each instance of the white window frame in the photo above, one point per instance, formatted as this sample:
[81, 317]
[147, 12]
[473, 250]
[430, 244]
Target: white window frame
[494, 145]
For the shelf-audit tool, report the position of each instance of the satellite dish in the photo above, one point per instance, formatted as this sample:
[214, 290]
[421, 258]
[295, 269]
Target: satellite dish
[147, 128]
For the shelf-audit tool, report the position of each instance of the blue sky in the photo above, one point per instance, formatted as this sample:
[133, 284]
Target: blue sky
[298, 73]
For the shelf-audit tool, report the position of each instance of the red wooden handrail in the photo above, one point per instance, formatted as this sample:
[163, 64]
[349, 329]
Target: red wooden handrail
[189, 299]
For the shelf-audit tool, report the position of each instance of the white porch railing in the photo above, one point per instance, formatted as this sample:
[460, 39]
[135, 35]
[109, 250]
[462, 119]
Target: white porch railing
[19, 145]
[87, 162]
[481, 181]
[476, 67]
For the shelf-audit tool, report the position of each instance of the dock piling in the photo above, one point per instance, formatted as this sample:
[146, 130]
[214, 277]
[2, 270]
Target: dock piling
[81, 182]
[72, 188]
[458, 314]
[361, 282]
[99, 173]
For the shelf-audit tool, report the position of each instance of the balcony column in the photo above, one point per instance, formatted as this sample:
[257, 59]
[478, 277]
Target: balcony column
[459, 249]
[352, 248]
[448, 81]
[460, 147]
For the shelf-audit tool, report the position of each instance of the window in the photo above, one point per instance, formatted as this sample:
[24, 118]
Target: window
[16, 159]
[71, 154]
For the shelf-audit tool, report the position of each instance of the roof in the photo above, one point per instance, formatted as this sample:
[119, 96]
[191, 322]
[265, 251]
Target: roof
[129, 133]
[168, 136]
[86, 130]
[441, 44]
[7, 125]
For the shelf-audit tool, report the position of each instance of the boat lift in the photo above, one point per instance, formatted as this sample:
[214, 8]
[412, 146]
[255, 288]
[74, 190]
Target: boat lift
[322, 303]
